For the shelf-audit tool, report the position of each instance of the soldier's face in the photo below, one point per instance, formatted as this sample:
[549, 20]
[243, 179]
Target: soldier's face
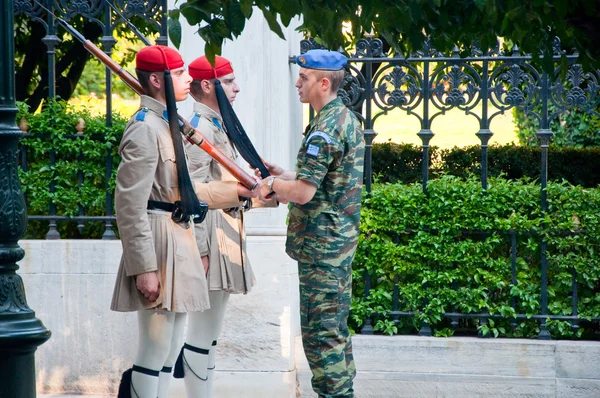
[307, 85]
[230, 87]
[181, 83]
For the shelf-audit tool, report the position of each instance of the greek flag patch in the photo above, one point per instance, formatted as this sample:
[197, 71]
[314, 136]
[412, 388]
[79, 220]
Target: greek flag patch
[313, 150]
[319, 134]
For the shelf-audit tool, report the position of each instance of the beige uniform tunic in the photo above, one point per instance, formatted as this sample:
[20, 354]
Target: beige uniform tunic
[151, 240]
[222, 237]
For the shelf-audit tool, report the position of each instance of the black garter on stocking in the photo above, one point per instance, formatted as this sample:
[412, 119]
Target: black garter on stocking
[178, 373]
[125, 385]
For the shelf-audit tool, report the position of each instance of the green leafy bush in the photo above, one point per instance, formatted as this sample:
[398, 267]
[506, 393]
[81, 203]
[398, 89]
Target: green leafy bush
[402, 163]
[54, 129]
[398, 162]
[572, 128]
[450, 252]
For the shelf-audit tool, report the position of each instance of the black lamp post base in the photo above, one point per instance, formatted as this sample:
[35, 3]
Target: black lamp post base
[19, 338]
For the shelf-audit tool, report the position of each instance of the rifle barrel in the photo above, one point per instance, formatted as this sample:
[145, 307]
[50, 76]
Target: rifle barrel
[191, 133]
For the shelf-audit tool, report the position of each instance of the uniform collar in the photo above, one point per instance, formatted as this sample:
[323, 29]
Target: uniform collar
[152, 104]
[206, 111]
[334, 103]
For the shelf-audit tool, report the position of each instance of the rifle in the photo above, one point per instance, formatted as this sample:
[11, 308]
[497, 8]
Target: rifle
[190, 132]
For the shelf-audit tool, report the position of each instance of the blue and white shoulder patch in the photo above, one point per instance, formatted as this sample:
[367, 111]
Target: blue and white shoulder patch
[319, 134]
[195, 120]
[313, 150]
[217, 123]
[141, 115]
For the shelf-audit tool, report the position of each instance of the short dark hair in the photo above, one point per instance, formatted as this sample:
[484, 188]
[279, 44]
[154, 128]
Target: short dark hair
[144, 79]
[196, 89]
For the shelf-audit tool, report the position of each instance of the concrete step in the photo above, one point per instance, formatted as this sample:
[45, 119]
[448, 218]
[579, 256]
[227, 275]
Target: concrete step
[425, 367]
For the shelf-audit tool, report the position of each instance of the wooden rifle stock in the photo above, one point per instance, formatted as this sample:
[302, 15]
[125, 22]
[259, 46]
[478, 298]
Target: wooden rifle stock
[190, 132]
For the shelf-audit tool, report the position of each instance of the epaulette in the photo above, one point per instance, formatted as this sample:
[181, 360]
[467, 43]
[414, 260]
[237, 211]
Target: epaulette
[217, 123]
[141, 115]
[195, 120]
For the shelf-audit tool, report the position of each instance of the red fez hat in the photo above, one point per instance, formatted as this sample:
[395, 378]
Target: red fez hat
[201, 69]
[158, 59]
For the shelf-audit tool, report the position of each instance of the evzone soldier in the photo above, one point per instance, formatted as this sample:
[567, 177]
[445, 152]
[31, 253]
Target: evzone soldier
[160, 276]
[221, 239]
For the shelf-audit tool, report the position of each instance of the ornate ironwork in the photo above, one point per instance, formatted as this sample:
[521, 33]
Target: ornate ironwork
[578, 90]
[485, 84]
[369, 48]
[99, 12]
[428, 51]
[309, 44]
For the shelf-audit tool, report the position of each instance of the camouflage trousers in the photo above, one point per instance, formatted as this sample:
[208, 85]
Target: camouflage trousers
[325, 293]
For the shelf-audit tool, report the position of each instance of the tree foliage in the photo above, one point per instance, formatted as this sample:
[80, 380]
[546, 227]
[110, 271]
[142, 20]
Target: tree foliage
[405, 24]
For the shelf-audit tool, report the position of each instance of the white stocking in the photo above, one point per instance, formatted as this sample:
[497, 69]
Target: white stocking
[212, 359]
[143, 385]
[166, 374]
[156, 330]
[203, 329]
[223, 299]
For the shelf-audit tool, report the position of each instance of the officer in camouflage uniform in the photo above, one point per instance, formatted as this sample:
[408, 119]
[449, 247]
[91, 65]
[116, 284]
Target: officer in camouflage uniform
[325, 197]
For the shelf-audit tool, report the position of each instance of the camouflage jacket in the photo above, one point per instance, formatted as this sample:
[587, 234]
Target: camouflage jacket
[331, 157]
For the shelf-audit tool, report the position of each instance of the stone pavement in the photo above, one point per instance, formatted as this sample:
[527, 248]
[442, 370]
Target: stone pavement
[425, 367]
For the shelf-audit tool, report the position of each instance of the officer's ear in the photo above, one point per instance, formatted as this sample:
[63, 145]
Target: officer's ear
[325, 84]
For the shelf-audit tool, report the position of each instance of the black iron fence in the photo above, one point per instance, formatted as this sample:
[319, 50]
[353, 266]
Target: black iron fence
[426, 85]
[482, 84]
[108, 15]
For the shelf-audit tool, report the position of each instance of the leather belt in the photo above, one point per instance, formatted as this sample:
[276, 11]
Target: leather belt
[157, 205]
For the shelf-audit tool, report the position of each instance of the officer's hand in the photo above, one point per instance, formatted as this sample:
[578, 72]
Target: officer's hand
[149, 285]
[273, 169]
[242, 191]
[265, 192]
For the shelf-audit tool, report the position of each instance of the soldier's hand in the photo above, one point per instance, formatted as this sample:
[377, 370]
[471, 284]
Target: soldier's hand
[205, 264]
[149, 285]
[242, 191]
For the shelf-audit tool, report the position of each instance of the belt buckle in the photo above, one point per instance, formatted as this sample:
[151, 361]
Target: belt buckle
[198, 218]
[178, 215]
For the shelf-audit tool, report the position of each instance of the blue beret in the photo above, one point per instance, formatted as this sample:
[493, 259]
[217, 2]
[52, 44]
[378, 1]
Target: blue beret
[322, 60]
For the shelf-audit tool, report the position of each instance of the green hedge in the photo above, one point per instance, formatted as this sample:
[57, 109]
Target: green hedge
[52, 129]
[471, 273]
[402, 163]
[572, 128]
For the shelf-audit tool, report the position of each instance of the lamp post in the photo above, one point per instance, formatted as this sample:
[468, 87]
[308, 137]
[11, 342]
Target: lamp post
[20, 331]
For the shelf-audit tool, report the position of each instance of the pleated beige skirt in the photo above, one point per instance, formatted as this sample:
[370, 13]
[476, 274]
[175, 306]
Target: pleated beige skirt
[229, 268]
[183, 284]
